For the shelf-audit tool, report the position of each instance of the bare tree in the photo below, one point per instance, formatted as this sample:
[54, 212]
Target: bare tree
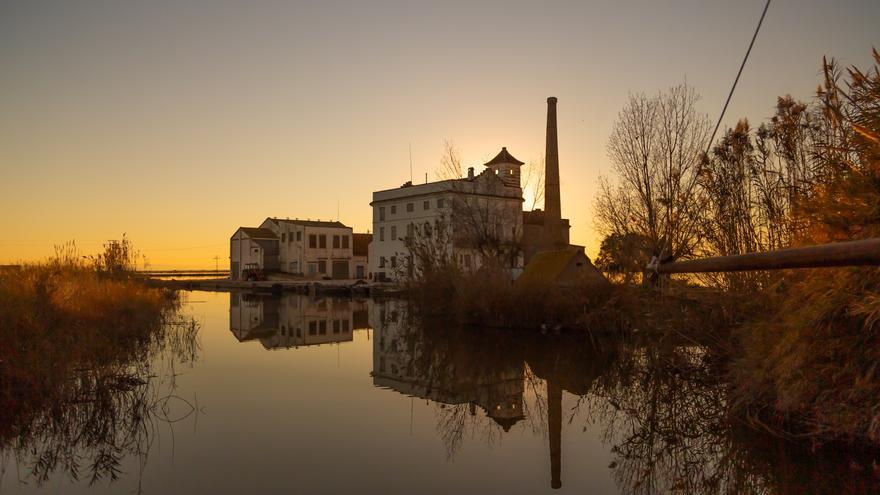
[450, 162]
[532, 183]
[655, 150]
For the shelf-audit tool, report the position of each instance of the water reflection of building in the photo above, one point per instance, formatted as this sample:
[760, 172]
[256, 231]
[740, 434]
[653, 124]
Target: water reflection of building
[293, 320]
[447, 374]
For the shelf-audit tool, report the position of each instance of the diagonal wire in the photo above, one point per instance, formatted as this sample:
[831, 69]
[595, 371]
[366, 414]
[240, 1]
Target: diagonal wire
[741, 67]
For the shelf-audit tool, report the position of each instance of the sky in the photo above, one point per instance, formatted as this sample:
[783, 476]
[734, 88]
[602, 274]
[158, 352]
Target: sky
[175, 122]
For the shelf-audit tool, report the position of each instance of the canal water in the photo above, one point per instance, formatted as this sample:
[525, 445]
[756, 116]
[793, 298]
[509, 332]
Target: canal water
[299, 395]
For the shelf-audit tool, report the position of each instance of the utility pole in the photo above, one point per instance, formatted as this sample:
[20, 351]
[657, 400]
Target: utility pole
[216, 263]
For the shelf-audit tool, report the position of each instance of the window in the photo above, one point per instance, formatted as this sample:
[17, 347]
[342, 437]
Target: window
[283, 237]
[313, 327]
[336, 326]
[336, 242]
[322, 266]
[382, 234]
[426, 205]
[322, 241]
[393, 209]
[394, 262]
[345, 326]
[381, 213]
[440, 203]
[393, 232]
[409, 231]
[322, 327]
[299, 235]
[409, 207]
[345, 242]
[381, 262]
[294, 267]
[313, 241]
[313, 268]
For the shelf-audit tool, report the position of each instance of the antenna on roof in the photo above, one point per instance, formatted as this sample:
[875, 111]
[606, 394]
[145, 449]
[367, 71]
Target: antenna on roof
[410, 163]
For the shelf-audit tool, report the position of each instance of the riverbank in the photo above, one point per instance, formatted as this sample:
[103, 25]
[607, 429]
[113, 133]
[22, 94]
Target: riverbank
[323, 287]
[58, 321]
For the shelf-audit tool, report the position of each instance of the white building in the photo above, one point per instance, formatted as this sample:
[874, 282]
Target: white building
[309, 248]
[478, 215]
[252, 246]
[313, 248]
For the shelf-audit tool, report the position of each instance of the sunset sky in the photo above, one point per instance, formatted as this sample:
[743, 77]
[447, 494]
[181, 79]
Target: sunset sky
[177, 121]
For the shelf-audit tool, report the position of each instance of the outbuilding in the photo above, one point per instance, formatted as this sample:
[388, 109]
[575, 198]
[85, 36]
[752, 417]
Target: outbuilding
[252, 247]
[566, 268]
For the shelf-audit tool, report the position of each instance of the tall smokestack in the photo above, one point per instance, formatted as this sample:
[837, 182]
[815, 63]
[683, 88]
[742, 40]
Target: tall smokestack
[552, 205]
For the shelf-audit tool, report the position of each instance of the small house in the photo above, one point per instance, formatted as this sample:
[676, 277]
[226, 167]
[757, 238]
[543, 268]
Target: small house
[566, 268]
[252, 247]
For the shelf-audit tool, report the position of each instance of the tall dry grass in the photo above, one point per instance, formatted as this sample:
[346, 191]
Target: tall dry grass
[76, 347]
[489, 298]
[809, 366]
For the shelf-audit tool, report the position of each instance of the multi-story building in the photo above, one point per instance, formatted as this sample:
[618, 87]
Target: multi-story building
[313, 248]
[309, 248]
[474, 217]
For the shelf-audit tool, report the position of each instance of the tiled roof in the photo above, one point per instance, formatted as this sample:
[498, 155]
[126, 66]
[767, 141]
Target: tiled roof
[503, 157]
[309, 223]
[258, 233]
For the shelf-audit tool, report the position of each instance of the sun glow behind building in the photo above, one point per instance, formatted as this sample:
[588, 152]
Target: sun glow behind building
[174, 121]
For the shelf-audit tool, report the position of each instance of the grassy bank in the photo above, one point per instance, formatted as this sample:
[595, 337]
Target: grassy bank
[77, 346]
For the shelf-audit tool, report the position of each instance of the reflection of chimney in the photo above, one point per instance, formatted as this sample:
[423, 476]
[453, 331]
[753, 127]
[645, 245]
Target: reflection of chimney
[552, 204]
[554, 424]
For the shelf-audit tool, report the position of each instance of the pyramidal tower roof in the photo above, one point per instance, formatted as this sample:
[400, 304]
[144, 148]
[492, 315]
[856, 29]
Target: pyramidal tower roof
[503, 157]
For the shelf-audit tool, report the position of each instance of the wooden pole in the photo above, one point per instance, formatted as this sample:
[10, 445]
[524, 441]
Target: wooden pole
[851, 253]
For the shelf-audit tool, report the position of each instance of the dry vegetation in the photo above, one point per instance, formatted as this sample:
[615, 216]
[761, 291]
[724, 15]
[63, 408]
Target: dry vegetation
[804, 360]
[77, 342]
[810, 367]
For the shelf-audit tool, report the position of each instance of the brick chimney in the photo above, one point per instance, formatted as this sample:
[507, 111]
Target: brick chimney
[552, 203]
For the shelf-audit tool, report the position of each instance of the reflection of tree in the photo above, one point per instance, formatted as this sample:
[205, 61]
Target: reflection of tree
[667, 417]
[106, 409]
[661, 402]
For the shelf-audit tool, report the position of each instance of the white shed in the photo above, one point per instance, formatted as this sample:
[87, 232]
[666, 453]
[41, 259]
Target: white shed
[252, 246]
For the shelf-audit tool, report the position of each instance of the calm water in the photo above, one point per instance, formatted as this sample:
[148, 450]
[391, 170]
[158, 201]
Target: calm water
[290, 394]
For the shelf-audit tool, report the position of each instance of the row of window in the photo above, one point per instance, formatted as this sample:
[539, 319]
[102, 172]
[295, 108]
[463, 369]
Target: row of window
[319, 241]
[289, 238]
[410, 230]
[410, 207]
[320, 327]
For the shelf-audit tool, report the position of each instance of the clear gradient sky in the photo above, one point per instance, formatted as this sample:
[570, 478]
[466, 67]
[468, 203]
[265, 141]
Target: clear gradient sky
[177, 121]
